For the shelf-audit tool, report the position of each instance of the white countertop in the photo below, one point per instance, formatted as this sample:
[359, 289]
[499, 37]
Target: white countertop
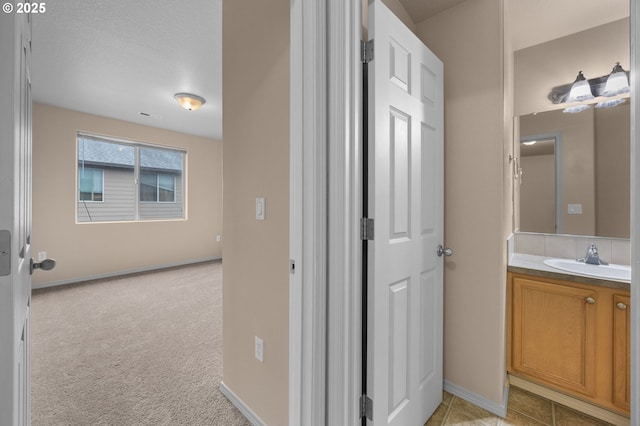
[536, 263]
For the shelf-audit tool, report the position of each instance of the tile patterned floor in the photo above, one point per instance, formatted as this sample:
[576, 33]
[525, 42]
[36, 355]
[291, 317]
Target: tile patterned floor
[525, 409]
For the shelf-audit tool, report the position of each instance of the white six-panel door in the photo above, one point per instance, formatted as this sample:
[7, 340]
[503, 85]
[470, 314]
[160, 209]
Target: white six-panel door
[15, 217]
[404, 345]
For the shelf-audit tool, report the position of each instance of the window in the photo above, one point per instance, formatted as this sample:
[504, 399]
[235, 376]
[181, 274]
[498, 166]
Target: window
[131, 181]
[157, 187]
[90, 184]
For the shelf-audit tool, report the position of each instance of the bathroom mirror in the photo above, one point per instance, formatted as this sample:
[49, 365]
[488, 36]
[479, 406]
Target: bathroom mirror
[576, 172]
[576, 176]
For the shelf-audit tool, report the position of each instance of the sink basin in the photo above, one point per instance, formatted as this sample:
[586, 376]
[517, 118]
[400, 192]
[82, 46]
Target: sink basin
[610, 272]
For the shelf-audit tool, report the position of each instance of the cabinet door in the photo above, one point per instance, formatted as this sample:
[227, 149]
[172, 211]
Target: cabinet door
[554, 334]
[621, 347]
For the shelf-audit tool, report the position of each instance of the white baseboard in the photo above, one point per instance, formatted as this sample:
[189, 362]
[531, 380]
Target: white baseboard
[120, 273]
[497, 409]
[240, 405]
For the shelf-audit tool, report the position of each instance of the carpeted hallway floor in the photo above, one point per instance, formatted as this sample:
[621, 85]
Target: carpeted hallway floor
[144, 349]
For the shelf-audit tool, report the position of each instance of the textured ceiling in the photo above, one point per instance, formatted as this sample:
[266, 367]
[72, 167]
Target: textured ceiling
[118, 58]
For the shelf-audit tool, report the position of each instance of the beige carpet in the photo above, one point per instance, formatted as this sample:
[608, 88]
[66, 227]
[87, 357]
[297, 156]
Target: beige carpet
[138, 350]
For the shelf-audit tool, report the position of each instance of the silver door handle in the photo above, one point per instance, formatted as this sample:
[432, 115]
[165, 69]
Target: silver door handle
[442, 250]
[45, 265]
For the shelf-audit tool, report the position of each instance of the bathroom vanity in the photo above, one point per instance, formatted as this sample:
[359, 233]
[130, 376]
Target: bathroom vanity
[569, 333]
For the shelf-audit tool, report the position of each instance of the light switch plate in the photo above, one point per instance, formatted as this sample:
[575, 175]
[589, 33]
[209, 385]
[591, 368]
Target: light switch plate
[574, 209]
[260, 208]
[259, 349]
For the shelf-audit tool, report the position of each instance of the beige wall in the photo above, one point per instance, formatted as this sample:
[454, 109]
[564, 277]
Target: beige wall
[578, 163]
[256, 164]
[613, 168]
[469, 40]
[94, 249]
[538, 194]
[557, 62]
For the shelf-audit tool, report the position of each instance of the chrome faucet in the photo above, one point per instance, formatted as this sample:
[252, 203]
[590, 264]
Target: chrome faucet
[592, 257]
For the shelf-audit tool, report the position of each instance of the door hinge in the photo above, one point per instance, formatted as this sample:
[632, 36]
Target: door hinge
[366, 229]
[366, 51]
[366, 407]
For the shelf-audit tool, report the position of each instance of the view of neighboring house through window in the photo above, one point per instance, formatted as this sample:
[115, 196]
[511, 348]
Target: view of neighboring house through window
[128, 181]
[90, 183]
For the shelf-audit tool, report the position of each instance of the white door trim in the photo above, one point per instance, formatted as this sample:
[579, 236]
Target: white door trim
[635, 214]
[344, 367]
[308, 218]
[325, 207]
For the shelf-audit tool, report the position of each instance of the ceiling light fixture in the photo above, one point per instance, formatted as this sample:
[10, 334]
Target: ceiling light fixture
[189, 101]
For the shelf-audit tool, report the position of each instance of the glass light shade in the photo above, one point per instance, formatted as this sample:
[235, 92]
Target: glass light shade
[617, 82]
[610, 103]
[580, 90]
[189, 101]
[577, 108]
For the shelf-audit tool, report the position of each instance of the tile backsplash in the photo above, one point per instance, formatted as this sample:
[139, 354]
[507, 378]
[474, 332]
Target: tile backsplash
[612, 250]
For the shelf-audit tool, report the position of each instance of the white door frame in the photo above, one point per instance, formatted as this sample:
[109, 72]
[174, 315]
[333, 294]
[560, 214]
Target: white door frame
[307, 214]
[325, 194]
[344, 322]
[635, 214]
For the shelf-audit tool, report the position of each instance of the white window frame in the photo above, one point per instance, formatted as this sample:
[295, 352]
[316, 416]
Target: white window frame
[137, 146]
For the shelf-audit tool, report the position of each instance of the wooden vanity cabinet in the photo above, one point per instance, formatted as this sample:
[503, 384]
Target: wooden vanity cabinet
[571, 337]
[621, 351]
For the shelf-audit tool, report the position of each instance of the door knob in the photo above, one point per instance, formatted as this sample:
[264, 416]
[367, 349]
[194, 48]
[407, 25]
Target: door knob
[45, 265]
[444, 251]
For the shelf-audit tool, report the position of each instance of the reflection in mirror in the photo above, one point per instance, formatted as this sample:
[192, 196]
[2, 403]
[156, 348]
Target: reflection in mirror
[578, 181]
[540, 186]
[591, 181]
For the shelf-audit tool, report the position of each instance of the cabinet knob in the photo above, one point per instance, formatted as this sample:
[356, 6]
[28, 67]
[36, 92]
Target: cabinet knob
[621, 306]
[590, 300]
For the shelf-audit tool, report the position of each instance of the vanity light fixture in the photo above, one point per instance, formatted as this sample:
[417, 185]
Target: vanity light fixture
[617, 82]
[189, 101]
[529, 143]
[580, 92]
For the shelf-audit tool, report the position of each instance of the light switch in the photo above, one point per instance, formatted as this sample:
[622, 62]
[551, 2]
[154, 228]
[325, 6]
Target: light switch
[574, 209]
[260, 207]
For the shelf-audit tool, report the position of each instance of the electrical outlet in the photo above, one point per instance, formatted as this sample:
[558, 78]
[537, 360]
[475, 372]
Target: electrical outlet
[42, 255]
[218, 238]
[259, 349]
